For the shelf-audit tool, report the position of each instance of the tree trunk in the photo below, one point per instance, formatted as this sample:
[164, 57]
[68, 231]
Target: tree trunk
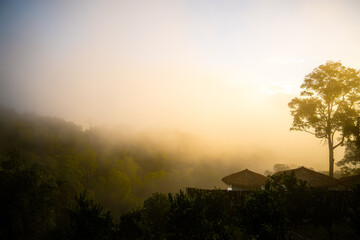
[331, 158]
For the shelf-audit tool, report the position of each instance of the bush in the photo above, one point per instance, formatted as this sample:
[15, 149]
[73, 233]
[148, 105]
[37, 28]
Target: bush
[89, 221]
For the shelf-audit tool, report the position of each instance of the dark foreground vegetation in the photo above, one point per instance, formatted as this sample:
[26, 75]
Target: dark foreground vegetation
[285, 209]
[31, 205]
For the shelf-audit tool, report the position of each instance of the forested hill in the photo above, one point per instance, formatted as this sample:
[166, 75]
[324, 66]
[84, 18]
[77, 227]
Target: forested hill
[117, 171]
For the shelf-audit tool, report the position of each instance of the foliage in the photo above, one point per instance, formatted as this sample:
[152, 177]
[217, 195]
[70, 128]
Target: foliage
[131, 226]
[263, 216]
[155, 213]
[87, 221]
[276, 212]
[31, 209]
[266, 213]
[328, 104]
[28, 199]
[351, 160]
[287, 204]
[204, 216]
[354, 208]
[280, 167]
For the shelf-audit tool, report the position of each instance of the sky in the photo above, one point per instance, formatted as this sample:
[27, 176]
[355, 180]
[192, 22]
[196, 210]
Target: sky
[221, 70]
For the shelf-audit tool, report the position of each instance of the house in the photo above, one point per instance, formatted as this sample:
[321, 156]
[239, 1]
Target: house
[245, 180]
[350, 181]
[313, 178]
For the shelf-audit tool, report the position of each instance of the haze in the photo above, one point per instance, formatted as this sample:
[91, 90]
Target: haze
[222, 71]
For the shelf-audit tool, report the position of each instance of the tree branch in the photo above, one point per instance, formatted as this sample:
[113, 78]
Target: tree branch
[341, 142]
[309, 132]
[339, 104]
[304, 130]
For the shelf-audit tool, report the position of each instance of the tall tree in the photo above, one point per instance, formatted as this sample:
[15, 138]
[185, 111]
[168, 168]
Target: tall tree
[328, 105]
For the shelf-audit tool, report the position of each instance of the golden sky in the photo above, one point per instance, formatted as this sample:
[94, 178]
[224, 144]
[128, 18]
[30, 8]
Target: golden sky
[222, 70]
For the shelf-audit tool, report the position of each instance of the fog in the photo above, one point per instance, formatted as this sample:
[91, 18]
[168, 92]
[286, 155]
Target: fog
[218, 74]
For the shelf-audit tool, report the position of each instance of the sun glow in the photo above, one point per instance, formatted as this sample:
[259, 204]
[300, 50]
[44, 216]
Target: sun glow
[225, 71]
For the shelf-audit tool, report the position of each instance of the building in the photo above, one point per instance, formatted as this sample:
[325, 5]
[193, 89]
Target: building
[349, 182]
[245, 180]
[313, 178]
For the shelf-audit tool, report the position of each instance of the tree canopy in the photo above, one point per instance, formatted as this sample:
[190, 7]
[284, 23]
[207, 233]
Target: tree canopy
[328, 105]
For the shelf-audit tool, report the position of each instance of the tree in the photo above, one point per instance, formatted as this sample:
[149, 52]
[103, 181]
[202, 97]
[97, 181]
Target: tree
[28, 199]
[88, 220]
[328, 105]
[280, 167]
[351, 161]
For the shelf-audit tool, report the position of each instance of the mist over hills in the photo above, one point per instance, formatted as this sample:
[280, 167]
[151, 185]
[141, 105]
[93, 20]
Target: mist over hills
[119, 169]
